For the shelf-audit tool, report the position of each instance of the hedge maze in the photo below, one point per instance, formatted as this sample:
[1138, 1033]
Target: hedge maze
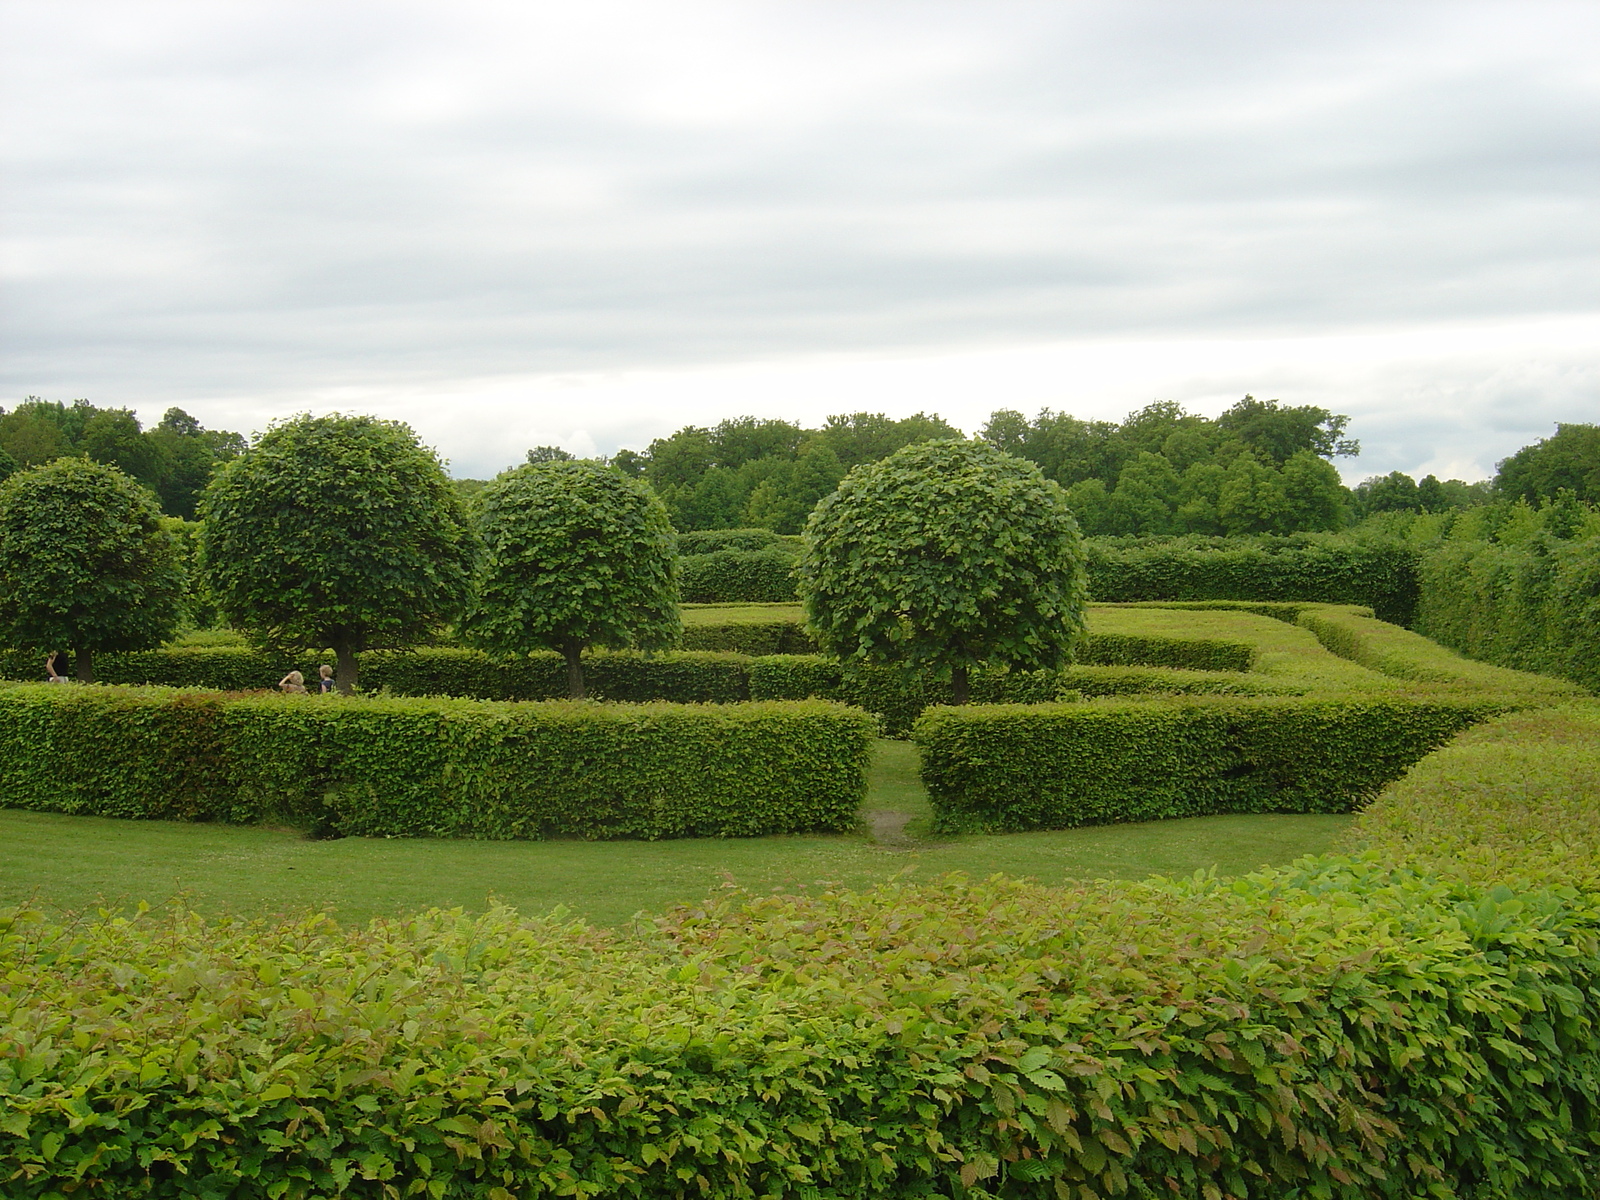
[1419, 1017]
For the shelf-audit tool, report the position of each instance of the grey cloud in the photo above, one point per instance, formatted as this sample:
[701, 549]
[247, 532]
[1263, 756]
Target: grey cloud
[228, 207]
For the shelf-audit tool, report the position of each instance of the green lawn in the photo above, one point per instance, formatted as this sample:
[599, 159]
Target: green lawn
[66, 862]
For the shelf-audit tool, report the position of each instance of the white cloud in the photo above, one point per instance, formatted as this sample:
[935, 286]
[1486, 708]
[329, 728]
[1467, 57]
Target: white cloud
[522, 223]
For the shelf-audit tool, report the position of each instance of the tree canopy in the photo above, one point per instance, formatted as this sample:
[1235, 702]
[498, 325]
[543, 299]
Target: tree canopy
[336, 532]
[84, 563]
[575, 554]
[945, 556]
[174, 460]
[1569, 460]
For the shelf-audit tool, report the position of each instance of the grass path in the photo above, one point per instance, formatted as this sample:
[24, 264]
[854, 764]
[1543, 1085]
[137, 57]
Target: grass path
[66, 862]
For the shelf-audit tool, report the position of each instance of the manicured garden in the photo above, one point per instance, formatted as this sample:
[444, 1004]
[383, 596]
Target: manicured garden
[1400, 1003]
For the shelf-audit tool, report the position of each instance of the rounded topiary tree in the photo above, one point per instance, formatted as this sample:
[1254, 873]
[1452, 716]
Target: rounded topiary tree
[84, 563]
[575, 554]
[945, 556]
[336, 532]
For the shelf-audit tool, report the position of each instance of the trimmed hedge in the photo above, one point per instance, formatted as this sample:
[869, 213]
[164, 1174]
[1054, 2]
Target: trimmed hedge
[749, 637]
[738, 576]
[1352, 633]
[1328, 568]
[709, 541]
[899, 699]
[431, 768]
[1515, 800]
[1533, 607]
[1014, 767]
[1340, 1030]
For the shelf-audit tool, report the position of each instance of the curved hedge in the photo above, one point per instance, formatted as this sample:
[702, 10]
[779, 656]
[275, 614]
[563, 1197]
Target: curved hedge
[1322, 568]
[1052, 766]
[435, 768]
[1343, 1029]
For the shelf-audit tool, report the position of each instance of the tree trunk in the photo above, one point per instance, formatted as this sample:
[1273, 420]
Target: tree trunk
[958, 685]
[85, 664]
[344, 669]
[573, 653]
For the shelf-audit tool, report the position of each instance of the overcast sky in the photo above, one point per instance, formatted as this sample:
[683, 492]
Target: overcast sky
[591, 223]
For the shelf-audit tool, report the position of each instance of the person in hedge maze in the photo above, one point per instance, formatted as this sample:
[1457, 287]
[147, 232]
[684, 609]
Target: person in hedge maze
[293, 682]
[55, 667]
[324, 679]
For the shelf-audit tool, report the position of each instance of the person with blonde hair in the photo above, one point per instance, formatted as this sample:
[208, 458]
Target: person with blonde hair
[293, 682]
[324, 679]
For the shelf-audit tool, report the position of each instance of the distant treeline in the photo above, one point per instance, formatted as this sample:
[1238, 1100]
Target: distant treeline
[1262, 467]
[173, 460]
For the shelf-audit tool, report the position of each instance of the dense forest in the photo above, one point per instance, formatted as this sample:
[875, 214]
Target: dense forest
[173, 460]
[1260, 467]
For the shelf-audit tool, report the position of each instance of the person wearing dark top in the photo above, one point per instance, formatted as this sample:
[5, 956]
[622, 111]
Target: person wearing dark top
[324, 679]
[55, 667]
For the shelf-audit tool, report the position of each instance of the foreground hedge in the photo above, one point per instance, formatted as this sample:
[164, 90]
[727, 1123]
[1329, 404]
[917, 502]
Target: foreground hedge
[1014, 767]
[1326, 568]
[435, 768]
[1340, 1030]
[1534, 607]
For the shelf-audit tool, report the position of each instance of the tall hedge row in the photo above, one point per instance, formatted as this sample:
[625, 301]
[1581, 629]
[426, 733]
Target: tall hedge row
[429, 768]
[738, 576]
[1045, 766]
[1533, 606]
[1330, 569]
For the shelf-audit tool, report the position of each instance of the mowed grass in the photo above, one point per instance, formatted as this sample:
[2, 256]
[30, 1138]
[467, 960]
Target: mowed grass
[74, 863]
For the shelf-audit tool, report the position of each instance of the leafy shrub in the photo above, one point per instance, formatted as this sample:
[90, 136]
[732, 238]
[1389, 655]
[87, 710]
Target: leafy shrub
[749, 637]
[1329, 568]
[1533, 606]
[434, 768]
[738, 576]
[1339, 1030]
[1010, 767]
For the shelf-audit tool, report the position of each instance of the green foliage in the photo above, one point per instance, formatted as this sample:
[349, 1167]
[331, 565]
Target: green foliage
[1352, 633]
[1568, 461]
[1012, 767]
[84, 563]
[337, 531]
[574, 555]
[1515, 800]
[435, 768]
[1532, 605]
[738, 576]
[709, 541]
[1339, 1030]
[1328, 569]
[944, 557]
[174, 460]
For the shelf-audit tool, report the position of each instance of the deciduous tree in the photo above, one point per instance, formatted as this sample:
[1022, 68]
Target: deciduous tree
[575, 554]
[336, 532]
[84, 563]
[946, 556]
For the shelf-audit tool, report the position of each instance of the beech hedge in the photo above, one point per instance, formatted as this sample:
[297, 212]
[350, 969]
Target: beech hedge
[1345, 1030]
[1326, 568]
[1053, 766]
[738, 576]
[1533, 606]
[435, 768]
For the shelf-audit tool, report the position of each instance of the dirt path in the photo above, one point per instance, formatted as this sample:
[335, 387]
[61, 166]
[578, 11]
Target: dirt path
[889, 829]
